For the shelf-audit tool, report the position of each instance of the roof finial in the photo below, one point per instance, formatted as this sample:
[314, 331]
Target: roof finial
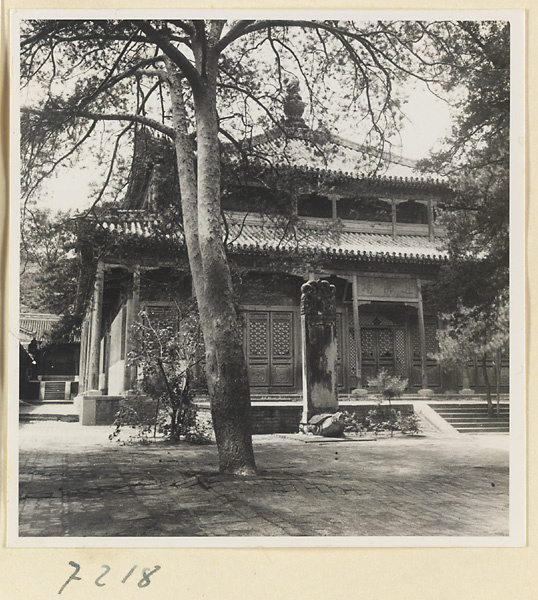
[293, 103]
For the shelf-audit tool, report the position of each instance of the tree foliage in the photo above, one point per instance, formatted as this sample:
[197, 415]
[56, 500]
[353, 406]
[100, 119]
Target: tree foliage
[476, 160]
[49, 267]
[166, 353]
[465, 340]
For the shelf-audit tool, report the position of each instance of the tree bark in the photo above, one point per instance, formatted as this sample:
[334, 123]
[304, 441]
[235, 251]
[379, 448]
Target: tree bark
[488, 385]
[498, 357]
[226, 372]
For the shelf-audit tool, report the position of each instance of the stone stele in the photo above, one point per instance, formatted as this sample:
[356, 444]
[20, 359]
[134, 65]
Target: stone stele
[318, 330]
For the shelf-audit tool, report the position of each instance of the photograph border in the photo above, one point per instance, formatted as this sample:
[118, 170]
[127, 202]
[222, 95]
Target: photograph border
[518, 425]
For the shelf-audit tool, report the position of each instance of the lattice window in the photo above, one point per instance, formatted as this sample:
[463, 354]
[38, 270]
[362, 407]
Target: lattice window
[430, 333]
[399, 346]
[258, 337]
[281, 337]
[386, 343]
[367, 342]
[431, 337]
[352, 352]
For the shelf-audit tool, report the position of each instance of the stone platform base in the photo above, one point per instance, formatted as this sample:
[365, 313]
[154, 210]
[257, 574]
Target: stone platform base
[97, 410]
[284, 417]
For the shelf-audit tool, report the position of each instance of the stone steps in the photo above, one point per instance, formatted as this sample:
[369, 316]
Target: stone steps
[276, 398]
[48, 411]
[32, 417]
[473, 418]
[53, 390]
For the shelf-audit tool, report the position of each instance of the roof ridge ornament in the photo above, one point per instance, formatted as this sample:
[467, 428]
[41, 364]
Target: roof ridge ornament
[293, 104]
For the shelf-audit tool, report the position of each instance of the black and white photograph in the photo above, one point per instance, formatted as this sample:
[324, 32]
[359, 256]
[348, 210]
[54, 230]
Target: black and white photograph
[267, 279]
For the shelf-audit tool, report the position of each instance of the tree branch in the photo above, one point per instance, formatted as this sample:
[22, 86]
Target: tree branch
[168, 131]
[175, 55]
[112, 81]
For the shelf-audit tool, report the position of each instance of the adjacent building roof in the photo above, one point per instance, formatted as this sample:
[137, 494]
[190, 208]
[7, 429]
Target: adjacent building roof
[35, 325]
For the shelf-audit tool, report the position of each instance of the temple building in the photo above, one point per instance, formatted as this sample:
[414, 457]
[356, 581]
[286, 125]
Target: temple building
[300, 216]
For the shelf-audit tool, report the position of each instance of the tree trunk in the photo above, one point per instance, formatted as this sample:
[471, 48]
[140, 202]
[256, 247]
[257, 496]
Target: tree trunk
[498, 378]
[227, 381]
[488, 386]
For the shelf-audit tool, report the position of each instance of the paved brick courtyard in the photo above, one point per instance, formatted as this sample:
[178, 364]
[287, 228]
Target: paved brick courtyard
[74, 482]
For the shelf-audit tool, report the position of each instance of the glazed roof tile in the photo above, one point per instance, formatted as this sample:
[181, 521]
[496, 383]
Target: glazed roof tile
[349, 244]
[36, 325]
[251, 238]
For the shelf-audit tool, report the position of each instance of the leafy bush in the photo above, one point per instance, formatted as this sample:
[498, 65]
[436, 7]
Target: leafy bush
[168, 347]
[382, 417]
[389, 386]
[149, 421]
[352, 423]
[409, 425]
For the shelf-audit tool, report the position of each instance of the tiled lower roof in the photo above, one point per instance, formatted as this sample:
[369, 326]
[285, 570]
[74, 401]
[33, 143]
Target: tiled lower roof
[36, 324]
[345, 244]
[251, 238]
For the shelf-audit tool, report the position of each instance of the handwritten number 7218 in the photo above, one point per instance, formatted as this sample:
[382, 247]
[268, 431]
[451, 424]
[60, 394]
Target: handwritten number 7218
[99, 581]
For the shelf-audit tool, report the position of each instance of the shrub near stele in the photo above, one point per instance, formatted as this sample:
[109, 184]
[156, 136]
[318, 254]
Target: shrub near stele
[382, 417]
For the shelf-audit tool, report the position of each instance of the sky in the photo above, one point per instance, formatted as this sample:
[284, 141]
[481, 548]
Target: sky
[428, 121]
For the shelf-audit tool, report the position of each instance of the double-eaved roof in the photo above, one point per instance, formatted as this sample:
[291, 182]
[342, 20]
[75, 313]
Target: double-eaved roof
[331, 164]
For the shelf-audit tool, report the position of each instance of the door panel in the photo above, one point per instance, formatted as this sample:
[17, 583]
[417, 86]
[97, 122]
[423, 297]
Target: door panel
[400, 353]
[258, 348]
[270, 348]
[382, 348]
[385, 350]
[281, 348]
[368, 351]
[339, 351]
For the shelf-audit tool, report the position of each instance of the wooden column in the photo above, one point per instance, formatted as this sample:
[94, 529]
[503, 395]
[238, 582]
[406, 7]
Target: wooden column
[88, 347]
[357, 329]
[82, 357]
[133, 308]
[95, 319]
[431, 229]
[86, 357]
[393, 218]
[422, 334]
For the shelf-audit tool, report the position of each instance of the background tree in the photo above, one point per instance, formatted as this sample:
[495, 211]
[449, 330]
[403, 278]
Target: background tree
[476, 162]
[473, 288]
[201, 82]
[49, 267]
[465, 340]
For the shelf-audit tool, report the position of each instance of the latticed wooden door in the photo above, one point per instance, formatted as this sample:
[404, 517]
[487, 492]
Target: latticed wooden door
[269, 341]
[383, 348]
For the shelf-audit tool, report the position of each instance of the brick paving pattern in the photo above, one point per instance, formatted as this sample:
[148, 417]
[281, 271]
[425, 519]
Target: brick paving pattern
[74, 482]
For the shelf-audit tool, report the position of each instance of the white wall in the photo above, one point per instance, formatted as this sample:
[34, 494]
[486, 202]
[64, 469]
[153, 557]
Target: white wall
[116, 364]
